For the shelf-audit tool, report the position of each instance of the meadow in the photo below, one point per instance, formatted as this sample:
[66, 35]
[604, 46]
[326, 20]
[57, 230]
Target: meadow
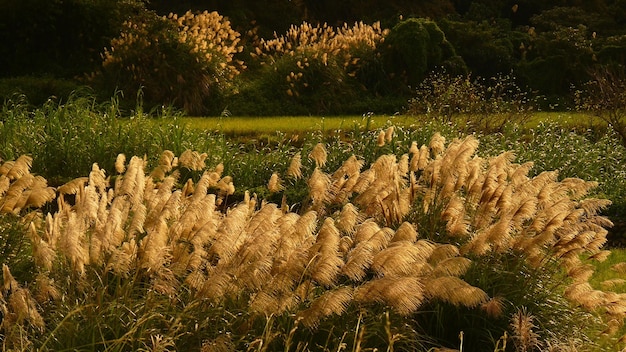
[123, 230]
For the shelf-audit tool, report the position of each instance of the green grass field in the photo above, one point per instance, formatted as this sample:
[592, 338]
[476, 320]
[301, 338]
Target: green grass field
[233, 125]
[262, 125]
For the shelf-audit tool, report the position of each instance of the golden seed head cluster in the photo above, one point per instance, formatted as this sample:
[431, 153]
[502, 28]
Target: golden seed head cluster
[329, 46]
[210, 34]
[352, 245]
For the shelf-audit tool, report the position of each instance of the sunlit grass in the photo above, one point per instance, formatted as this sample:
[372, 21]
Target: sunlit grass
[234, 125]
[566, 118]
[137, 316]
[247, 125]
[609, 273]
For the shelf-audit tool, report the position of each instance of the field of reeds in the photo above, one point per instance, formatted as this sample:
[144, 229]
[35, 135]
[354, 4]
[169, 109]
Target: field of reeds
[123, 231]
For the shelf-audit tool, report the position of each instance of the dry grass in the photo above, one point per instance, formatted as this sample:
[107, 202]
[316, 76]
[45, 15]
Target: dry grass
[351, 247]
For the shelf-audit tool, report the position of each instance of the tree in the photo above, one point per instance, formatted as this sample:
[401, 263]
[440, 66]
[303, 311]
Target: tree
[61, 38]
[415, 46]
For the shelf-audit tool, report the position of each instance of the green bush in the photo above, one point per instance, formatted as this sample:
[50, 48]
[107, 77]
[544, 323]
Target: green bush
[487, 48]
[37, 90]
[582, 154]
[68, 137]
[381, 256]
[414, 47]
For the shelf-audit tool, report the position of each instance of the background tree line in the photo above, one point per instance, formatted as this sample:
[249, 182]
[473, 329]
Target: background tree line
[549, 46]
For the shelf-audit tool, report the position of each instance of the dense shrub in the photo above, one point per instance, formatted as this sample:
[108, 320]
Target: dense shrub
[487, 48]
[37, 90]
[559, 53]
[604, 96]
[414, 47]
[67, 137]
[184, 61]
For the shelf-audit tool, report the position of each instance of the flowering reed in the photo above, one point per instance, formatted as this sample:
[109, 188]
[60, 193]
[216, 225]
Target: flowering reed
[365, 240]
[316, 55]
[182, 60]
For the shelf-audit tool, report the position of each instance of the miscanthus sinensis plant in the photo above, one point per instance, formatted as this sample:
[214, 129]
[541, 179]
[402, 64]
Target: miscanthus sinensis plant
[145, 260]
[312, 57]
[184, 60]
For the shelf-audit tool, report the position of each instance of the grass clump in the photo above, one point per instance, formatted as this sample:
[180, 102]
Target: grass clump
[66, 138]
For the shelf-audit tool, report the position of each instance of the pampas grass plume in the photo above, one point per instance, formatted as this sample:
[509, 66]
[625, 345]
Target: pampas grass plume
[19, 168]
[404, 294]
[619, 267]
[401, 258]
[453, 290]
[437, 144]
[380, 140]
[43, 252]
[522, 324]
[274, 185]
[9, 282]
[405, 232]
[348, 218]
[389, 134]
[295, 167]
[494, 307]
[120, 161]
[332, 302]
[319, 185]
[319, 155]
[327, 260]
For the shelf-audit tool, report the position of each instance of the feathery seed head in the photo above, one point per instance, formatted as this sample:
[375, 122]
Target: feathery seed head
[405, 232]
[331, 302]
[522, 324]
[319, 186]
[348, 218]
[295, 167]
[494, 307]
[274, 185]
[19, 168]
[437, 144]
[453, 290]
[414, 149]
[389, 134]
[404, 294]
[380, 140]
[119, 163]
[9, 282]
[319, 155]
